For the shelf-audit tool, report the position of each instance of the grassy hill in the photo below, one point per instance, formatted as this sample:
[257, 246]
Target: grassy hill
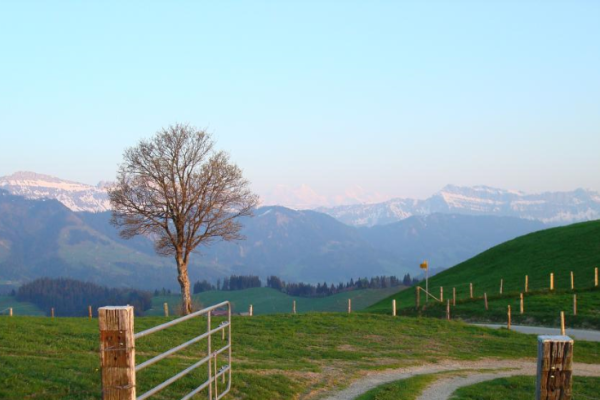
[275, 356]
[559, 250]
[270, 301]
[19, 308]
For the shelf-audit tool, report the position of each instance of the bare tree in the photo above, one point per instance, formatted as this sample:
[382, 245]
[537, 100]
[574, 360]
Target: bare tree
[176, 189]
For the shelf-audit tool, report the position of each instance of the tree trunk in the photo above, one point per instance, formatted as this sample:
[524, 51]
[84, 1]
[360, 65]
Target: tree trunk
[184, 282]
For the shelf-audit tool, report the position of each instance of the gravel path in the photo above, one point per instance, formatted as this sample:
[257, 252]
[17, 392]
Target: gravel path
[443, 388]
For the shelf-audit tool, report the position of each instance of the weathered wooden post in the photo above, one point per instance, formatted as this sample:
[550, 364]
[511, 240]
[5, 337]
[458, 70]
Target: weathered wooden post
[596, 277]
[441, 294]
[471, 289]
[250, 310]
[418, 297]
[448, 310]
[526, 283]
[294, 307]
[90, 315]
[10, 313]
[501, 285]
[394, 307]
[117, 352]
[552, 281]
[349, 306]
[166, 309]
[574, 304]
[508, 323]
[454, 297]
[572, 281]
[52, 312]
[562, 323]
[554, 368]
[485, 300]
[522, 308]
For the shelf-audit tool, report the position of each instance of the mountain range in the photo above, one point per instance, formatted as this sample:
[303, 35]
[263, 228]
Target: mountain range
[44, 238]
[552, 208]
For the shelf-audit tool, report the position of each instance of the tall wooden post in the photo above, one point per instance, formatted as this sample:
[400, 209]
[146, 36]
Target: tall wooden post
[90, 315]
[394, 307]
[10, 313]
[448, 310]
[166, 309]
[349, 306]
[574, 304]
[485, 300]
[572, 281]
[52, 312]
[526, 283]
[117, 352]
[441, 294]
[508, 323]
[596, 277]
[471, 289]
[522, 308]
[454, 297]
[554, 368]
[552, 281]
[294, 307]
[562, 323]
[501, 285]
[250, 310]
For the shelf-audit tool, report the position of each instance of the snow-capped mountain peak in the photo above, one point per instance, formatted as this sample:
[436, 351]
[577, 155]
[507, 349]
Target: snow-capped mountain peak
[74, 195]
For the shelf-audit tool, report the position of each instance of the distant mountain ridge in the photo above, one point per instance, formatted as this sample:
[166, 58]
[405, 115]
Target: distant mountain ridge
[554, 208]
[75, 196]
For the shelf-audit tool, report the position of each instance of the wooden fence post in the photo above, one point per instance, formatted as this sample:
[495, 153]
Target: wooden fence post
[552, 281]
[10, 313]
[485, 300]
[166, 309]
[572, 281]
[522, 305]
[294, 307]
[349, 306]
[250, 310]
[574, 304]
[554, 368]
[471, 289]
[52, 312]
[448, 310]
[90, 312]
[562, 323]
[501, 285]
[394, 307]
[596, 277]
[117, 352]
[441, 294]
[418, 297]
[526, 283]
[454, 297]
[508, 323]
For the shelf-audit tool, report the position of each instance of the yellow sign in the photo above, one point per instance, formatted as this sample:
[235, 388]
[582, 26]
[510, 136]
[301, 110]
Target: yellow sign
[424, 265]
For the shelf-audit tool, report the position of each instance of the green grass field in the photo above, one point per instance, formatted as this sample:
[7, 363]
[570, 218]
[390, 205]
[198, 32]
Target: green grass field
[19, 308]
[559, 250]
[270, 301]
[275, 356]
[522, 387]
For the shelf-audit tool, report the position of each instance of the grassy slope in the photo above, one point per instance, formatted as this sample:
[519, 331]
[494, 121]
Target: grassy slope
[522, 388]
[559, 250]
[276, 356]
[270, 301]
[19, 308]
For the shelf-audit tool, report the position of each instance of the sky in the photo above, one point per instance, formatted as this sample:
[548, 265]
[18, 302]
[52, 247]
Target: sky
[333, 100]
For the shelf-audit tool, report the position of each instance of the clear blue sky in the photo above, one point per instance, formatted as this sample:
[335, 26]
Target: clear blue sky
[399, 97]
